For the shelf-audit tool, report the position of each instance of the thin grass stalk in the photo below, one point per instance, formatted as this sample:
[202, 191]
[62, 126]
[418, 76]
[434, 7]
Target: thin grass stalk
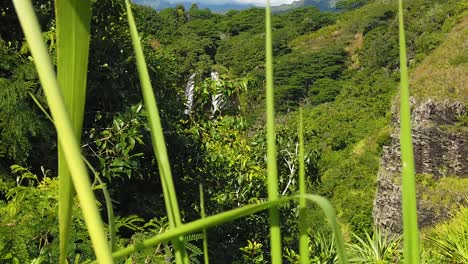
[110, 214]
[303, 236]
[205, 235]
[410, 217]
[275, 232]
[41, 107]
[231, 215]
[110, 211]
[157, 138]
[65, 132]
[73, 18]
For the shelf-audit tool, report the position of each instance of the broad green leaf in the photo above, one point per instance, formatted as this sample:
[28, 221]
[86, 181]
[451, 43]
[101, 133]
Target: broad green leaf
[72, 27]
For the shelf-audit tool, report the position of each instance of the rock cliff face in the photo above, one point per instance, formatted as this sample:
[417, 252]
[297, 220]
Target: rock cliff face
[440, 140]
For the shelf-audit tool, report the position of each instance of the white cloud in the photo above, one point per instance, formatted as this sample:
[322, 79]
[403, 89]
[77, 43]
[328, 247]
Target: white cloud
[255, 2]
[263, 2]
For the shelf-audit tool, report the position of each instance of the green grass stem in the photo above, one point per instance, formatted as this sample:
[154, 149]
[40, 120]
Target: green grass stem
[110, 210]
[303, 235]
[410, 217]
[65, 129]
[41, 107]
[206, 259]
[157, 137]
[275, 232]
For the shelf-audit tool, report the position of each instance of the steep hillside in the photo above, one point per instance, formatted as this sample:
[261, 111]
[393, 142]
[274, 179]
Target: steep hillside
[351, 128]
[439, 86]
[444, 74]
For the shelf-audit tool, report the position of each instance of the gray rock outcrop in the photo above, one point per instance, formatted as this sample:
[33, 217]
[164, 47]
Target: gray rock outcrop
[440, 143]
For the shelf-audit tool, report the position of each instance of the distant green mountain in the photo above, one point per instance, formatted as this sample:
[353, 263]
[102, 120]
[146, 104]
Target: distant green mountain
[217, 7]
[323, 5]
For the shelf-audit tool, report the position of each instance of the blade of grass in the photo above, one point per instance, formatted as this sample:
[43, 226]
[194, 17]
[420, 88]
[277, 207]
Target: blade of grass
[275, 232]
[157, 137]
[110, 213]
[410, 216]
[66, 135]
[41, 107]
[109, 208]
[73, 19]
[237, 213]
[203, 215]
[303, 236]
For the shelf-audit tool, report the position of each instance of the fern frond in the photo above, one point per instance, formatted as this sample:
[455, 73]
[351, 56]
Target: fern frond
[193, 237]
[131, 222]
[194, 250]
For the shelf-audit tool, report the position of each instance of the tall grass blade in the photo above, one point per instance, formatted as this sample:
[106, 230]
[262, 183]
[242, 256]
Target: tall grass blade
[157, 137]
[110, 214]
[65, 132]
[303, 236]
[275, 232]
[410, 217]
[205, 235]
[41, 107]
[330, 214]
[73, 19]
[237, 213]
[110, 210]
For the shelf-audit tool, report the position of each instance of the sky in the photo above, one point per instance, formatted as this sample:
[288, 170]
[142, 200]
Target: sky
[255, 2]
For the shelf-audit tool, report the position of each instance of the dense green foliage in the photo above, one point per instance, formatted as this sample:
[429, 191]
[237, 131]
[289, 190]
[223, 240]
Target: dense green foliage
[342, 67]
[23, 125]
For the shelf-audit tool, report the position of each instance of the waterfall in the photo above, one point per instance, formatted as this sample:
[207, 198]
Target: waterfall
[189, 93]
[217, 100]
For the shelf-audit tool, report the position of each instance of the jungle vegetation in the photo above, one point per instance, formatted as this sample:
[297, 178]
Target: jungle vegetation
[336, 75]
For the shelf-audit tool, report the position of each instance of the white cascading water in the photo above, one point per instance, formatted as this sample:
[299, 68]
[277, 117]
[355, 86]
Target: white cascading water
[217, 100]
[189, 93]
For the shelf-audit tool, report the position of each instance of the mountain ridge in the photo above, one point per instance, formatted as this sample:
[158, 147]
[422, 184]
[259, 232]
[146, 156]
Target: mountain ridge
[162, 4]
[323, 5]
